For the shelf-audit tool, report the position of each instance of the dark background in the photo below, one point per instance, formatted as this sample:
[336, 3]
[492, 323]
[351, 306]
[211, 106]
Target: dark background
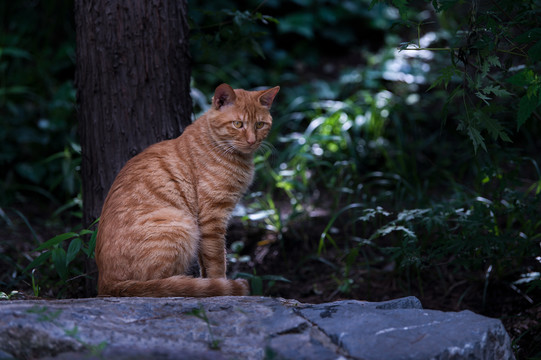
[380, 184]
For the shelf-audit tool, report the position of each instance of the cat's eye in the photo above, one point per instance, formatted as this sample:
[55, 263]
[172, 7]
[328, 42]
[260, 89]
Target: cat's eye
[238, 124]
[260, 125]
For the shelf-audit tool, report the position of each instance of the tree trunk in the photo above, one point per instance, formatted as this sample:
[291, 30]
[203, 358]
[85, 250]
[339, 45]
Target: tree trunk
[133, 86]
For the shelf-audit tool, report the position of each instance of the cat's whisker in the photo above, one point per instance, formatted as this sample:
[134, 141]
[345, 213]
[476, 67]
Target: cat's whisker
[224, 146]
[266, 147]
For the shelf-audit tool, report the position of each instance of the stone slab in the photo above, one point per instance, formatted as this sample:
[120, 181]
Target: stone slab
[244, 328]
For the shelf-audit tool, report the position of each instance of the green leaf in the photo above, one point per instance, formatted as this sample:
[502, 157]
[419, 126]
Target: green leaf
[411, 214]
[372, 3]
[402, 6]
[73, 249]
[485, 67]
[56, 240]
[386, 230]
[16, 53]
[526, 107]
[405, 45]
[533, 90]
[73, 332]
[86, 232]
[476, 138]
[299, 23]
[92, 243]
[443, 5]
[494, 61]
[457, 92]
[14, 90]
[370, 214]
[257, 285]
[483, 97]
[529, 36]
[256, 48]
[325, 234]
[268, 18]
[447, 74]
[59, 261]
[523, 78]
[496, 90]
[275, 278]
[495, 128]
[37, 262]
[535, 51]
[351, 257]
[30, 171]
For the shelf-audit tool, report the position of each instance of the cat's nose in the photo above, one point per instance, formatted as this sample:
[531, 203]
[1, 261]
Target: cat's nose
[250, 139]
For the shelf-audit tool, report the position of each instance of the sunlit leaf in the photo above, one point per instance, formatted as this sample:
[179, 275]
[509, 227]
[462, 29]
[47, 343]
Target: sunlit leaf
[411, 214]
[386, 230]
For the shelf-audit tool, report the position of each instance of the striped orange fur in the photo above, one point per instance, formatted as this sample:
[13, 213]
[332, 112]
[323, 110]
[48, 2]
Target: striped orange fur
[171, 203]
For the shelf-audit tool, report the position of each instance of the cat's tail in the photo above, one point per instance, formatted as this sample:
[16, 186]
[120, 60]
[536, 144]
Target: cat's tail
[179, 285]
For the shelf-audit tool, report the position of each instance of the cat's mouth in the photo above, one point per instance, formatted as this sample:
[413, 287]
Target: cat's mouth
[247, 148]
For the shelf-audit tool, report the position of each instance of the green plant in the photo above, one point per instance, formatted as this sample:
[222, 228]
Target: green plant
[494, 237]
[264, 212]
[66, 263]
[493, 64]
[329, 157]
[37, 99]
[35, 285]
[235, 255]
[4, 296]
[257, 282]
[214, 344]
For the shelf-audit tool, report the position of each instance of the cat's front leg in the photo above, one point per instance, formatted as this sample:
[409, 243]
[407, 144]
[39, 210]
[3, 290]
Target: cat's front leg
[212, 255]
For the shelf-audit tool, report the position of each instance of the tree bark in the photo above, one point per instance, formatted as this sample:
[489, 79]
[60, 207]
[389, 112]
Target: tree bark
[133, 85]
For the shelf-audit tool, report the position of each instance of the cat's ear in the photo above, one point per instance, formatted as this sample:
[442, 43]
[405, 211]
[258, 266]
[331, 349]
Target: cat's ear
[223, 95]
[267, 96]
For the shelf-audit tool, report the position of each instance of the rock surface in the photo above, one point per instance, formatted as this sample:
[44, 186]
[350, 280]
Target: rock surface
[244, 328]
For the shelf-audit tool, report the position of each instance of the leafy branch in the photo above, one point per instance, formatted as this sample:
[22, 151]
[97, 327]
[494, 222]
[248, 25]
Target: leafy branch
[481, 64]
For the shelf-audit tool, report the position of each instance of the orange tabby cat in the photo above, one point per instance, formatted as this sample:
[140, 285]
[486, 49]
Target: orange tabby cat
[171, 203]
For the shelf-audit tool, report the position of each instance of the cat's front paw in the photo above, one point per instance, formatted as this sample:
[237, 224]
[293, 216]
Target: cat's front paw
[241, 287]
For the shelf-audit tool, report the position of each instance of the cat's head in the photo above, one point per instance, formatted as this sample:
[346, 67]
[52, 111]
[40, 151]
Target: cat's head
[240, 120]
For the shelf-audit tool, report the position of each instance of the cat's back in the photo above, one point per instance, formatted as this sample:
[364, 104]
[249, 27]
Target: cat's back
[159, 175]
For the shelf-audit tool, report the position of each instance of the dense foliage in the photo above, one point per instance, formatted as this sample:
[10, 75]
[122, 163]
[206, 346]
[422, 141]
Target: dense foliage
[38, 143]
[406, 153]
